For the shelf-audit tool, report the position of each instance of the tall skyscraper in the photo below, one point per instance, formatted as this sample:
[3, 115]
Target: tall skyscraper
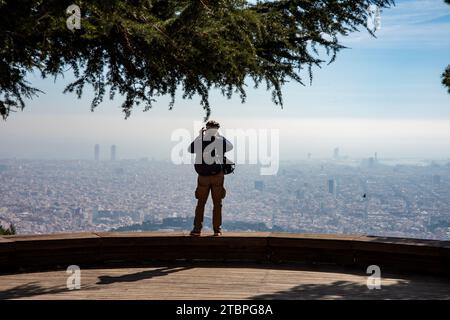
[331, 186]
[336, 153]
[97, 152]
[89, 215]
[113, 152]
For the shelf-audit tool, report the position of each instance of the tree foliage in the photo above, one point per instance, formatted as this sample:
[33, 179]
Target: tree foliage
[8, 231]
[446, 74]
[446, 78]
[144, 49]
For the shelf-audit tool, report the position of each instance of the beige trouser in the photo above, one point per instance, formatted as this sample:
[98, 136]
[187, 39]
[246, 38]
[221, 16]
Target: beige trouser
[204, 185]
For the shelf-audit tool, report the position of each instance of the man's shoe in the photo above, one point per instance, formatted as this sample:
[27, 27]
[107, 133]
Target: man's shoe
[195, 233]
[217, 234]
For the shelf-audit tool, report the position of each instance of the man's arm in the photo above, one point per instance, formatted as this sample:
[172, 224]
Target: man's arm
[191, 148]
[228, 145]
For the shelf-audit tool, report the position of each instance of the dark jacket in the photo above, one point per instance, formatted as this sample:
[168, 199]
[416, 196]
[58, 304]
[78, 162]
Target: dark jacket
[209, 155]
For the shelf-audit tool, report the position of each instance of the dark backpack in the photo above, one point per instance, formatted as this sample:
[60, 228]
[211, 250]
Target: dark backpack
[226, 167]
[208, 169]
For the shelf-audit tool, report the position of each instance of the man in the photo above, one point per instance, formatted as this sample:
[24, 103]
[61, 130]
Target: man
[209, 148]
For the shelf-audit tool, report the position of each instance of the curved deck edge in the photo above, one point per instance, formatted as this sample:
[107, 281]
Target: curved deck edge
[46, 252]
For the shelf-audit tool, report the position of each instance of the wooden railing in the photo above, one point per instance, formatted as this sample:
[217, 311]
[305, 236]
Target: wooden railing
[45, 252]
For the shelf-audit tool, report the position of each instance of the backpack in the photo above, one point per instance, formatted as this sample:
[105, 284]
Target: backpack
[226, 167]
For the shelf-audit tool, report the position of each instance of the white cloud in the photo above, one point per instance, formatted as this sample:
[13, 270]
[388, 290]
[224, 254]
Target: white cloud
[409, 23]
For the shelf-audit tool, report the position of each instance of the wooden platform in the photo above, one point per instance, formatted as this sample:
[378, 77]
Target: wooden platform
[205, 281]
[47, 252]
[235, 266]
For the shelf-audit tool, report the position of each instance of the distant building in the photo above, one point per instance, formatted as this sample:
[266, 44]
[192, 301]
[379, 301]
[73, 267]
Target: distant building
[89, 215]
[436, 179]
[336, 153]
[322, 207]
[113, 152]
[259, 185]
[331, 186]
[97, 152]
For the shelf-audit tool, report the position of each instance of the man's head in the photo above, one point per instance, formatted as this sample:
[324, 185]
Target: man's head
[212, 124]
[212, 127]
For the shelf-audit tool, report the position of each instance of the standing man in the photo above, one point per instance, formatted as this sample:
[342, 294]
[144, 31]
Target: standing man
[209, 148]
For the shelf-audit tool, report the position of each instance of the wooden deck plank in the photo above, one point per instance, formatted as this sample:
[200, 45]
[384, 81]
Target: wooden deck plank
[194, 282]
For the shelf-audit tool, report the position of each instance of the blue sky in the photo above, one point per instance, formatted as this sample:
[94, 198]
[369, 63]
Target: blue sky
[393, 80]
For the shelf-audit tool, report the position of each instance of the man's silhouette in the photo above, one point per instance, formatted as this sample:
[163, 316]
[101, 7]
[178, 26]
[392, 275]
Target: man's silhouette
[209, 148]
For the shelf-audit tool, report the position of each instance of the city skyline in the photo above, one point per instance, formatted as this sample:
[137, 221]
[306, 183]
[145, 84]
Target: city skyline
[48, 196]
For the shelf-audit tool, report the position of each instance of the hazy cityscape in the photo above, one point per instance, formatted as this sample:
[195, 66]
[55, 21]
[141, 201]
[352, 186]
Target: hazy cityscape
[336, 195]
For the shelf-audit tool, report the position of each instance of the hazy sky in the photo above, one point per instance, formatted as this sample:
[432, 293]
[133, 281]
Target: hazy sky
[381, 95]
